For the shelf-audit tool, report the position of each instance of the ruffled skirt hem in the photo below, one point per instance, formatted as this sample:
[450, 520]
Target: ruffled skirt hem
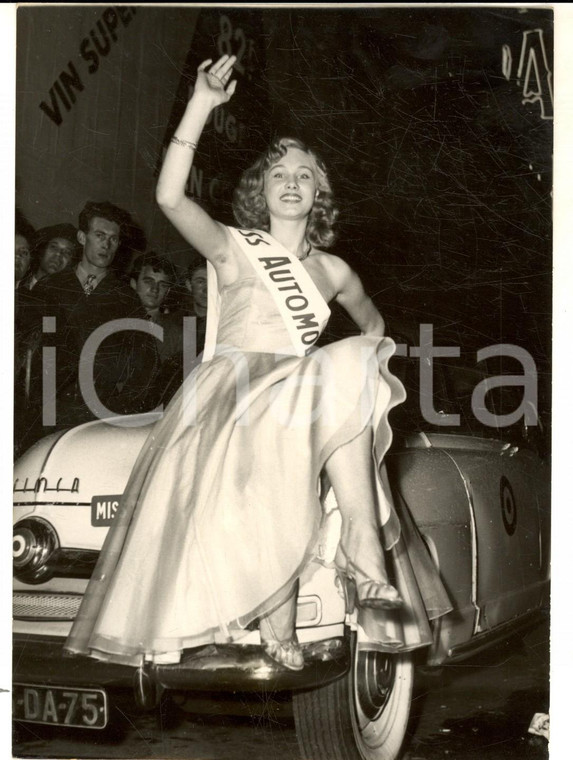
[222, 510]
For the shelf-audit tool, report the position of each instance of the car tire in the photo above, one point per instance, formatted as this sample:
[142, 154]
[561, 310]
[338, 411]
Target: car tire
[363, 716]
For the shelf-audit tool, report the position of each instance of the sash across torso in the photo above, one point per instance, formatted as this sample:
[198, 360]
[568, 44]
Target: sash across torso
[299, 302]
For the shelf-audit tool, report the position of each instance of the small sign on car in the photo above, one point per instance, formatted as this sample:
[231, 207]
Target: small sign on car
[104, 509]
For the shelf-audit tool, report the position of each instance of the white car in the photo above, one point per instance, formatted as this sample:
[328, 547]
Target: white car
[479, 495]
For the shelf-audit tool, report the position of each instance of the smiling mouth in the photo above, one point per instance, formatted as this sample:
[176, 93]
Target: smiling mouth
[291, 197]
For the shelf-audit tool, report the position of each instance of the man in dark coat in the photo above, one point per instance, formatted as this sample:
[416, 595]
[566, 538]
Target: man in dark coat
[78, 306]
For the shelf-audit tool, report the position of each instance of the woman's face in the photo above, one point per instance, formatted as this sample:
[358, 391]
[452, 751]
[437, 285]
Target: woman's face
[290, 185]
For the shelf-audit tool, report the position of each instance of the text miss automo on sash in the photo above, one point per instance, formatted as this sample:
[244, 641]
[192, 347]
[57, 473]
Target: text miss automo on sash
[294, 303]
[300, 303]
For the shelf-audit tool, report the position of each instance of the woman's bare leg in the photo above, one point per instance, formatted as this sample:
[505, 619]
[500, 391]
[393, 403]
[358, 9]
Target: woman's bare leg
[351, 473]
[350, 470]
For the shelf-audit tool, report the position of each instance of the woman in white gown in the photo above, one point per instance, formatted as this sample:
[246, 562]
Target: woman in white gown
[222, 510]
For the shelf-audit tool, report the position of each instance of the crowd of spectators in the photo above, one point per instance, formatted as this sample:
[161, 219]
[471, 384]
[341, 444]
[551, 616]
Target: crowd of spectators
[91, 342]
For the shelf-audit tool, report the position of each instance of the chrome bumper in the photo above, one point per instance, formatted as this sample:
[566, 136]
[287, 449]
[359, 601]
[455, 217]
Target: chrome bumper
[231, 667]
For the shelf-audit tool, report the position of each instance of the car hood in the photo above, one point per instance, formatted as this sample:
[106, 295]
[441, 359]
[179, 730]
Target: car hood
[71, 466]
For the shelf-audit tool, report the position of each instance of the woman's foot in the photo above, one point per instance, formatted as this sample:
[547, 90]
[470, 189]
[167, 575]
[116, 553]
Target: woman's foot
[278, 636]
[381, 596]
[286, 653]
[376, 593]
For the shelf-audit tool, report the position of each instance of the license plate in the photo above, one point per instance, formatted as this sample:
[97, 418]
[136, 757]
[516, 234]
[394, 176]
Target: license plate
[104, 509]
[59, 706]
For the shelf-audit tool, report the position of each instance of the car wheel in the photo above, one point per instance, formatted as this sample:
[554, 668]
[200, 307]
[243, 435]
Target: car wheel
[362, 716]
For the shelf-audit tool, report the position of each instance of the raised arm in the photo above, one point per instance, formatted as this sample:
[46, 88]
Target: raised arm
[208, 236]
[351, 296]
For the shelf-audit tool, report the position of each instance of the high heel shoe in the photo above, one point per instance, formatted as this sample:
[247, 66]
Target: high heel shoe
[376, 594]
[283, 649]
[287, 653]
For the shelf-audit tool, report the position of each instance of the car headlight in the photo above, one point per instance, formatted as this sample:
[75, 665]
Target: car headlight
[35, 543]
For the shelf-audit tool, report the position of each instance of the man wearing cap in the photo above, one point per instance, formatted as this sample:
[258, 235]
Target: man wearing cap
[55, 248]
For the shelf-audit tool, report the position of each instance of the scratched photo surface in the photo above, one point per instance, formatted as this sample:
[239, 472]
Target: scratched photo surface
[436, 126]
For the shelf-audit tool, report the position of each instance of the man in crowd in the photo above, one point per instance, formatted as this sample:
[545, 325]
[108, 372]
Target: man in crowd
[22, 255]
[55, 248]
[196, 284]
[148, 358]
[24, 329]
[80, 300]
[175, 362]
[152, 277]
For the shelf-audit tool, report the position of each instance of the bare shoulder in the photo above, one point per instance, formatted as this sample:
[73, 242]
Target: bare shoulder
[339, 272]
[334, 264]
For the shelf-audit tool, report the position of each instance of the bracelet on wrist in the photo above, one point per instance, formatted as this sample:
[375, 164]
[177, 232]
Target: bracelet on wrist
[184, 143]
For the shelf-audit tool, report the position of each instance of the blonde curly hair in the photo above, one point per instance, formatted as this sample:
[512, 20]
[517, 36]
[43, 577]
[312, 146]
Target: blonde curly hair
[250, 207]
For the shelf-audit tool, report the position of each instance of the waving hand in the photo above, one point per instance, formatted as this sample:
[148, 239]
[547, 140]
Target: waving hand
[212, 88]
[212, 80]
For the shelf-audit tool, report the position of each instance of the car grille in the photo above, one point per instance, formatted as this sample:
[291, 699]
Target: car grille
[31, 606]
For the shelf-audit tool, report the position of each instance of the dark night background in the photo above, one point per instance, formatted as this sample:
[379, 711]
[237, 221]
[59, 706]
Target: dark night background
[442, 174]
[430, 151]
